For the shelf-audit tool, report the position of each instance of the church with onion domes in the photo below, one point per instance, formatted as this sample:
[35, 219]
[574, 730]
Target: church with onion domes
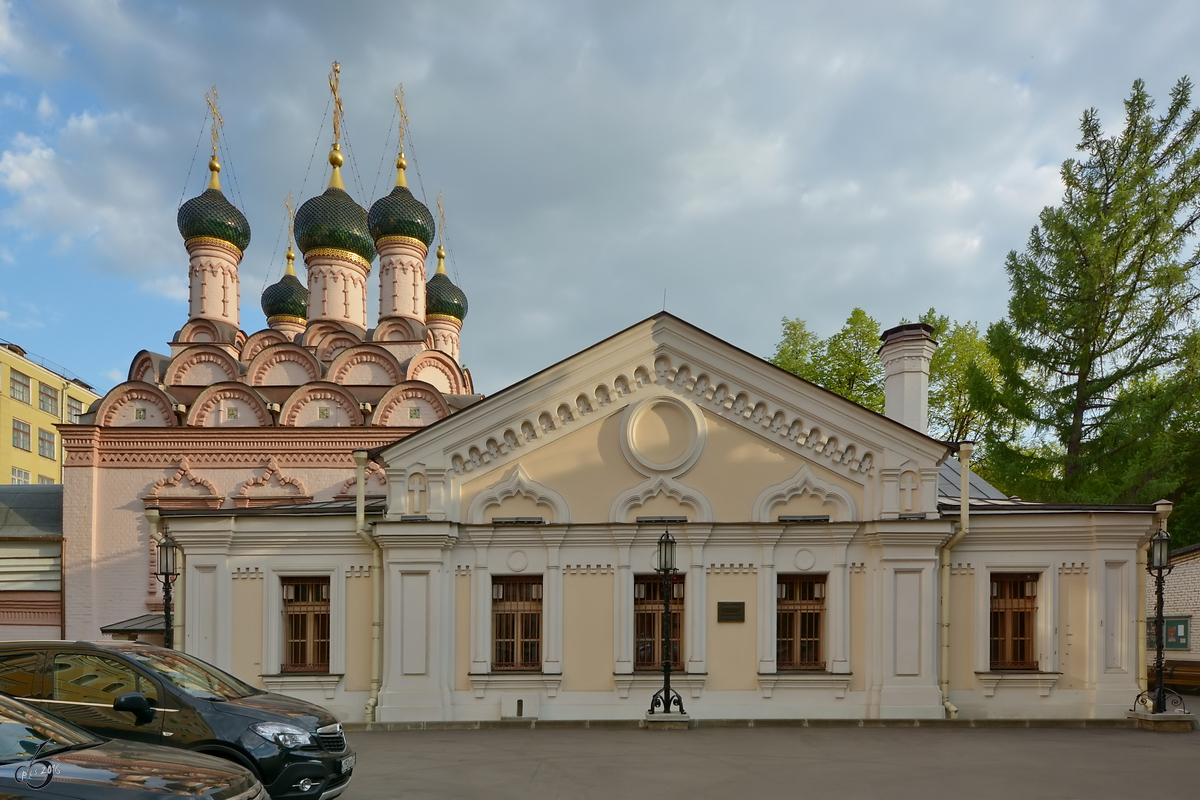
[357, 526]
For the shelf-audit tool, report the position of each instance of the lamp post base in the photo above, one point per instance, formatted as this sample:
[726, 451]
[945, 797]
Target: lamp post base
[667, 722]
[1169, 722]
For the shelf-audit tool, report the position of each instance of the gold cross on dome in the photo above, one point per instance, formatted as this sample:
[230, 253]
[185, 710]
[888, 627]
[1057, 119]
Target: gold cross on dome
[211, 98]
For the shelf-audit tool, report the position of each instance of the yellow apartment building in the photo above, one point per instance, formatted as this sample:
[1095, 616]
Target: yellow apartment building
[33, 400]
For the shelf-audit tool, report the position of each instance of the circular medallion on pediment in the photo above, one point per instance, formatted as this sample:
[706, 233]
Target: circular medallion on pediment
[805, 560]
[662, 435]
[517, 561]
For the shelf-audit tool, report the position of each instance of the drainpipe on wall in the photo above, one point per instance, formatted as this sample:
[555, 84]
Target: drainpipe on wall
[964, 525]
[360, 522]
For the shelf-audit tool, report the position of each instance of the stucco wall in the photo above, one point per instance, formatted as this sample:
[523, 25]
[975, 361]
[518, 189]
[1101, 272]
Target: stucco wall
[588, 633]
[732, 646]
[962, 630]
[358, 634]
[247, 646]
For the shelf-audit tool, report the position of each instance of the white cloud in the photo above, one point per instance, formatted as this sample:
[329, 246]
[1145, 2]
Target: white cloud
[116, 375]
[46, 110]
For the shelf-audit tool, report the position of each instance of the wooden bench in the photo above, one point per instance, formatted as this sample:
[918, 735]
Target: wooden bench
[1182, 676]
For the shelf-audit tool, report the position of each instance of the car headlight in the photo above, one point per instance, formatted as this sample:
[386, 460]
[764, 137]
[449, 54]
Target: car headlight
[284, 735]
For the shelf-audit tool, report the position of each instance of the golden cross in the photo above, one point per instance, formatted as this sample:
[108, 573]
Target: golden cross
[441, 220]
[291, 217]
[399, 95]
[337, 102]
[211, 99]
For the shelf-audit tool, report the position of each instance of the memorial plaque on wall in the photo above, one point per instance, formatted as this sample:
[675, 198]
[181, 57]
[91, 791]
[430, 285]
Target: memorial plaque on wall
[731, 612]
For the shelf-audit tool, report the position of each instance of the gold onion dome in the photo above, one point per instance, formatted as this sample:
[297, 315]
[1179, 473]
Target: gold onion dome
[288, 297]
[333, 219]
[442, 297]
[209, 214]
[401, 214]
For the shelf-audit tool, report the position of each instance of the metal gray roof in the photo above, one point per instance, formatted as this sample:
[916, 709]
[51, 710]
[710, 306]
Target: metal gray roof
[31, 512]
[950, 479]
[146, 623]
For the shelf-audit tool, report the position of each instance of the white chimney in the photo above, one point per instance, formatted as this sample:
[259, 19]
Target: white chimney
[906, 353]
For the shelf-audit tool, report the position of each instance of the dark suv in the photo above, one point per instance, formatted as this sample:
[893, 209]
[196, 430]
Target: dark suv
[143, 693]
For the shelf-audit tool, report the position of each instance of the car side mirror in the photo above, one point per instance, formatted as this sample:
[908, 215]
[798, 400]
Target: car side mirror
[137, 704]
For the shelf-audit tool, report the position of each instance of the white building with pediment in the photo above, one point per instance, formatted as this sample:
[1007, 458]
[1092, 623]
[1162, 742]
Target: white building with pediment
[827, 566]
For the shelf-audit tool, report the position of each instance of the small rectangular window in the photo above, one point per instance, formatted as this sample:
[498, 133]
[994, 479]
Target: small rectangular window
[18, 386]
[648, 622]
[74, 410]
[48, 398]
[799, 622]
[21, 435]
[517, 623]
[20, 477]
[305, 625]
[1013, 618]
[46, 444]
[44, 480]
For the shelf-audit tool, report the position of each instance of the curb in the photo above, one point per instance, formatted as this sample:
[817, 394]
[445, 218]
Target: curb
[634, 724]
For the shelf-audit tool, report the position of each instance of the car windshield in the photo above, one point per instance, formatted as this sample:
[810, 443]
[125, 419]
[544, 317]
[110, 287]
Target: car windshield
[192, 675]
[24, 729]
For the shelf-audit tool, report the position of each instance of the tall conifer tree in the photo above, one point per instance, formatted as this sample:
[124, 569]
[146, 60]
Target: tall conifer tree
[1095, 354]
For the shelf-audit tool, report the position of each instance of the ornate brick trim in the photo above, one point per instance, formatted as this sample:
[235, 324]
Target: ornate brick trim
[157, 498]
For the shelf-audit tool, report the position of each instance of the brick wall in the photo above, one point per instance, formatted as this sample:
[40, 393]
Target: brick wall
[1181, 598]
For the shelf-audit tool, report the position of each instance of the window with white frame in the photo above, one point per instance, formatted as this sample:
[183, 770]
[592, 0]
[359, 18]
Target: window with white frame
[48, 398]
[46, 444]
[20, 477]
[1013, 621]
[21, 433]
[305, 624]
[18, 386]
[45, 480]
[517, 623]
[74, 409]
[800, 622]
[648, 622]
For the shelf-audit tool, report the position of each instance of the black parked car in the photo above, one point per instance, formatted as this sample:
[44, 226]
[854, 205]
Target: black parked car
[143, 693]
[42, 756]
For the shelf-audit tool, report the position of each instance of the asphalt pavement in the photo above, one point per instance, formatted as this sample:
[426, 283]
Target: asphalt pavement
[843, 763]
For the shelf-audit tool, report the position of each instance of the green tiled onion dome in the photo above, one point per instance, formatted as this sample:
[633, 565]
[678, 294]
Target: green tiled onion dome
[210, 214]
[333, 219]
[401, 214]
[442, 297]
[288, 297]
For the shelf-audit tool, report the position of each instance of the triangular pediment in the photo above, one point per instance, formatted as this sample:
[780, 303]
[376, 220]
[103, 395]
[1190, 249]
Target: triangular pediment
[675, 399]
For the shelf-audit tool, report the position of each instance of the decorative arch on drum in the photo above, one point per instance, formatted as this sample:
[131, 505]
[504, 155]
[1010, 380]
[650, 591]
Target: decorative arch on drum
[268, 367]
[332, 346]
[389, 411]
[137, 404]
[435, 367]
[236, 397]
[208, 363]
[258, 341]
[398, 329]
[148, 367]
[292, 412]
[382, 366]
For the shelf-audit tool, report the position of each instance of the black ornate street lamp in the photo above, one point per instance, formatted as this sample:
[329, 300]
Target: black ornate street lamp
[1158, 564]
[666, 698]
[166, 573]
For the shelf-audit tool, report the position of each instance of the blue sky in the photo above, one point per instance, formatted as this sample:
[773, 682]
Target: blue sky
[754, 160]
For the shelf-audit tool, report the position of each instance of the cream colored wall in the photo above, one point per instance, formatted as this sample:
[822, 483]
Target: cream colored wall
[518, 506]
[755, 461]
[962, 631]
[587, 633]
[589, 469]
[358, 634]
[732, 646]
[462, 632]
[585, 466]
[858, 631]
[247, 645]
[1073, 631]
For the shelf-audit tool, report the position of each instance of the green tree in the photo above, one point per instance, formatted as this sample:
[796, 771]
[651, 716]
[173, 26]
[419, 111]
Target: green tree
[845, 363]
[1092, 357]
[952, 416]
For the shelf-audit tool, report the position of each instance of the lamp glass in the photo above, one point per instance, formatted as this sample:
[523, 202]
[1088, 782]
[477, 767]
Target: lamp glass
[1160, 549]
[167, 551]
[666, 552]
